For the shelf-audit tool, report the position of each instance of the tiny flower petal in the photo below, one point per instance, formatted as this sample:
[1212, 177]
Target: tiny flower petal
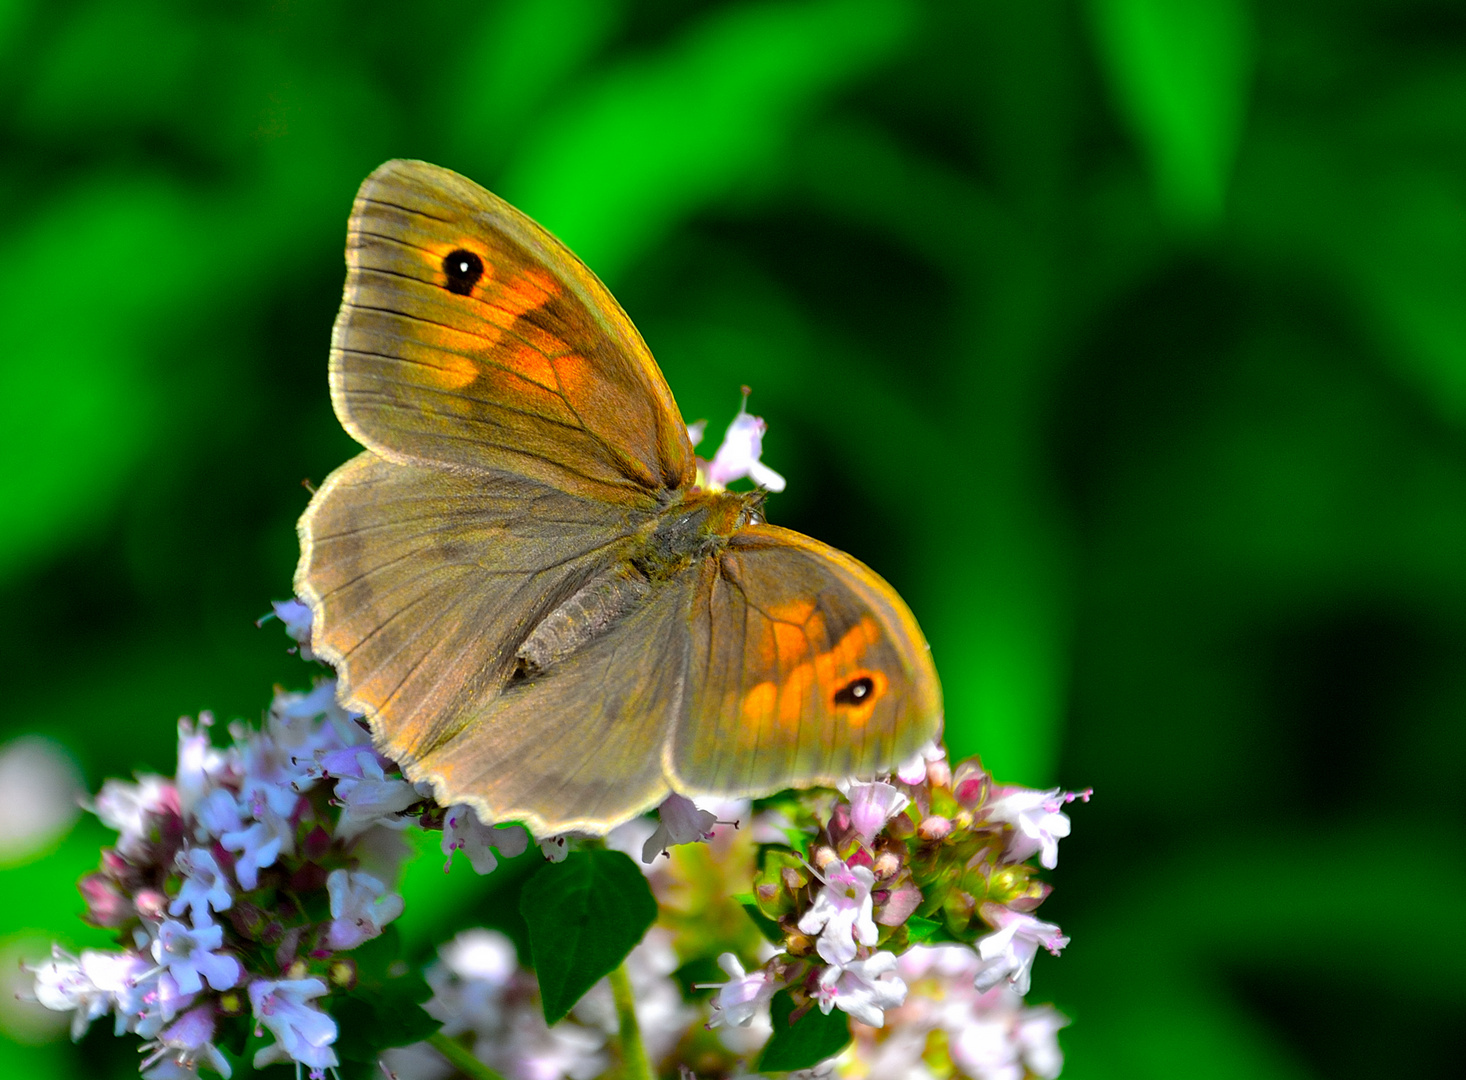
[841, 913]
[740, 998]
[864, 989]
[678, 822]
[204, 886]
[1038, 822]
[872, 805]
[360, 907]
[462, 831]
[912, 771]
[191, 958]
[739, 454]
[302, 1031]
[1009, 951]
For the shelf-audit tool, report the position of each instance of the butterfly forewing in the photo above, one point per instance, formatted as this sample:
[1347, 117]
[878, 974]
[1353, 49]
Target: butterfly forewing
[806, 668]
[470, 338]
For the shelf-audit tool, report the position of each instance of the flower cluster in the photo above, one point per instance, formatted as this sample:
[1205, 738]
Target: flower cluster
[984, 1034]
[240, 886]
[931, 855]
[904, 903]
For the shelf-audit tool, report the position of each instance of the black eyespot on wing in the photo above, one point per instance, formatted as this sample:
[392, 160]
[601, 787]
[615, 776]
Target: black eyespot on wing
[463, 268]
[855, 691]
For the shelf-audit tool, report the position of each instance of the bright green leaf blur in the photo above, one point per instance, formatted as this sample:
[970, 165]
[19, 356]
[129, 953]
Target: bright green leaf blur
[1126, 338]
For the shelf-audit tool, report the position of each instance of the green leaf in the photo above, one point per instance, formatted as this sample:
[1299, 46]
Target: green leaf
[919, 929]
[811, 1039]
[373, 1018]
[771, 930]
[1180, 73]
[584, 915]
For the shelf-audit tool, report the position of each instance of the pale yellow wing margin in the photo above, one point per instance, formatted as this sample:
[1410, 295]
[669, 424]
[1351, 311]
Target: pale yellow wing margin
[471, 338]
[422, 585]
[806, 668]
[578, 746]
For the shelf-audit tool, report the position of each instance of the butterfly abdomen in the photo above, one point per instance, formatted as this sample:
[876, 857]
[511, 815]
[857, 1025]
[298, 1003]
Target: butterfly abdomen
[590, 611]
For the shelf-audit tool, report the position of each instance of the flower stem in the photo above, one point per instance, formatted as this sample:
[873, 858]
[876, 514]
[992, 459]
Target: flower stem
[460, 1058]
[634, 1063]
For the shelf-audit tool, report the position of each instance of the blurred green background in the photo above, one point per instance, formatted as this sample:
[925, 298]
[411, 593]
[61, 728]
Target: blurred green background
[1126, 338]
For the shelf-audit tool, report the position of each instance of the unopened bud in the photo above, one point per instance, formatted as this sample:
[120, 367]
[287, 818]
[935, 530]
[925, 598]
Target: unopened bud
[961, 906]
[886, 866]
[970, 783]
[797, 944]
[822, 857]
[151, 904]
[342, 973]
[935, 827]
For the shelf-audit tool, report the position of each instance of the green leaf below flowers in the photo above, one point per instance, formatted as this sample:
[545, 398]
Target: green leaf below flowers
[584, 915]
[771, 930]
[806, 1042]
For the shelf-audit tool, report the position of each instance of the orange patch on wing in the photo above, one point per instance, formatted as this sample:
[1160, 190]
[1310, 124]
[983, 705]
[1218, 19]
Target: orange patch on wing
[790, 633]
[759, 702]
[529, 290]
[792, 693]
[454, 372]
[532, 365]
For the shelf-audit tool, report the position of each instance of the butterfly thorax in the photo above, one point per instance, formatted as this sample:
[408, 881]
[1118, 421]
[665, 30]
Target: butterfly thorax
[697, 524]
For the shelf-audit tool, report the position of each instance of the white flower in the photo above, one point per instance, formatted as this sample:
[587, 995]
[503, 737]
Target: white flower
[912, 771]
[126, 808]
[554, 848]
[841, 913]
[190, 957]
[199, 763]
[297, 620]
[62, 986]
[258, 846]
[1038, 1040]
[462, 831]
[1008, 952]
[186, 1044]
[740, 998]
[739, 455]
[678, 822]
[864, 989]
[468, 986]
[1037, 820]
[149, 1002]
[872, 805]
[360, 907]
[303, 1032]
[259, 843]
[372, 799]
[204, 886]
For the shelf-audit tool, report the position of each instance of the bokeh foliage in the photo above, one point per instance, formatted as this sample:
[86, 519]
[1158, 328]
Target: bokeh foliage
[1126, 337]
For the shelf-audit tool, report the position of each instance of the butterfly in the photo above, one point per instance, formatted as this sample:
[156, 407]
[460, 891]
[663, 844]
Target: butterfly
[520, 583]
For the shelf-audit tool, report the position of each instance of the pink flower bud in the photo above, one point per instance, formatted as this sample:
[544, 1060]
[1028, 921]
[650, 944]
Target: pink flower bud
[935, 827]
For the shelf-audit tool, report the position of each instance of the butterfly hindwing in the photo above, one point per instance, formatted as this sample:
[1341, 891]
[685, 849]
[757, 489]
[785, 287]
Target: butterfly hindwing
[806, 668]
[471, 338]
[423, 584]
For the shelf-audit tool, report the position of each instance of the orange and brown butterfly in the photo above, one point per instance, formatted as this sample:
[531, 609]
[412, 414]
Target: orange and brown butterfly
[520, 582]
